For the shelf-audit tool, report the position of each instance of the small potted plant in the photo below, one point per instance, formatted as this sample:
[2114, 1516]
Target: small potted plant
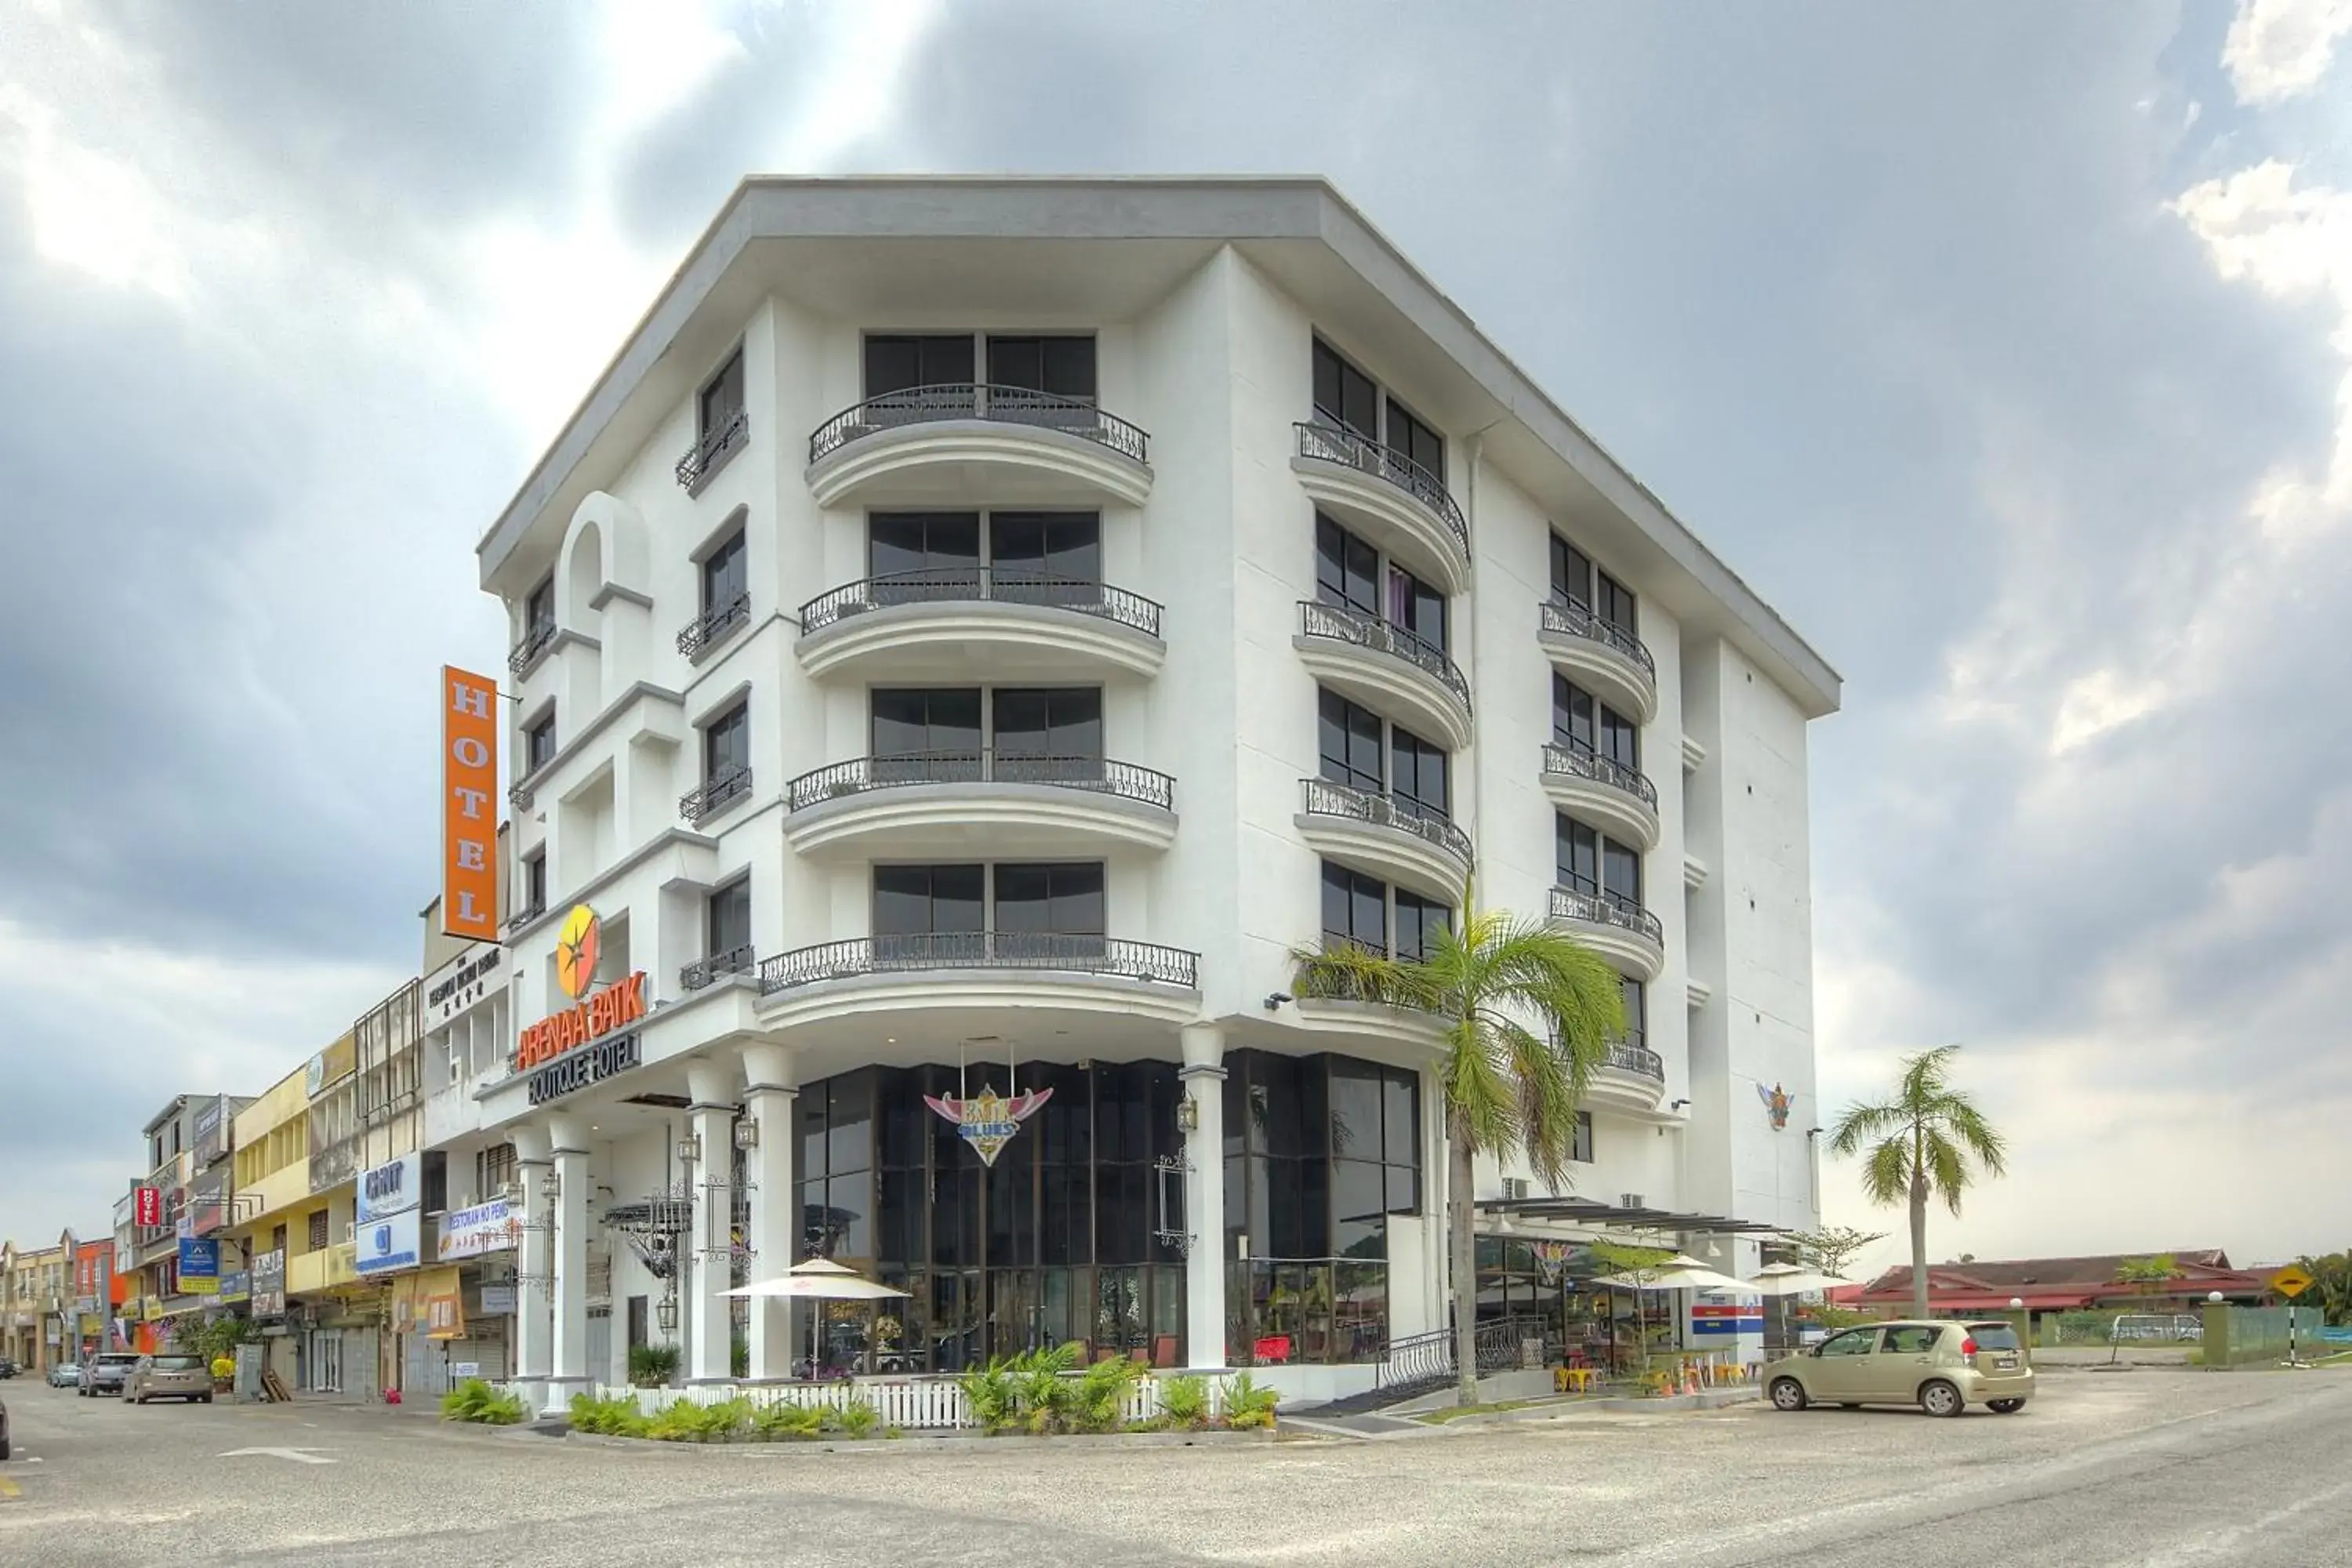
[224, 1373]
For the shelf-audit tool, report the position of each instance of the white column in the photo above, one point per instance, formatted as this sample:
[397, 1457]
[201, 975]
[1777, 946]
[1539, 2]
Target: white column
[1203, 1078]
[569, 1136]
[535, 1268]
[772, 1076]
[708, 1338]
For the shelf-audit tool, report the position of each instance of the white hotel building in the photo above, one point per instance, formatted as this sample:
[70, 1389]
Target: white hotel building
[977, 621]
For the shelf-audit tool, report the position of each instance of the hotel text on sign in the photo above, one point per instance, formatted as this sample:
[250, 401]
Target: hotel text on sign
[469, 783]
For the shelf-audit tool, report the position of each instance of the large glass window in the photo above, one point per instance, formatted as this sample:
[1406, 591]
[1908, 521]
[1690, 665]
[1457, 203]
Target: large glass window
[1344, 395]
[1414, 439]
[725, 574]
[538, 744]
[729, 918]
[900, 361]
[1418, 922]
[911, 902]
[1048, 721]
[1621, 873]
[1417, 775]
[1062, 365]
[1582, 722]
[1417, 607]
[539, 608]
[1591, 862]
[1347, 569]
[1061, 898]
[1349, 737]
[934, 722]
[1575, 580]
[727, 744]
[1636, 1017]
[722, 397]
[1355, 909]
[1046, 546]
[915, 548]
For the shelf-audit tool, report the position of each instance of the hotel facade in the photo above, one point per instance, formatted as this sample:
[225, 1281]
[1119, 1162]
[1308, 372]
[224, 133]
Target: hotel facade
[971, 639]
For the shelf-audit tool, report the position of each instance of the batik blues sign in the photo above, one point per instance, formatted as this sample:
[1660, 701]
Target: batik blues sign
[387, 1245]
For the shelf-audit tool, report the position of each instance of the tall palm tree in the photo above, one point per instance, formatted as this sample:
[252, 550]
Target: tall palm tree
[1921, 1143]
[1527, 1013]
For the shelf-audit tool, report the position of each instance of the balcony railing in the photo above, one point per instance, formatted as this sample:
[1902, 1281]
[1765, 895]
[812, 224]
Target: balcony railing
[1601, 909]
[714, 626]
[981, 585]
[1629, 1054]
[1071, 953]
[724, 790]
[1348, 625]
[704, 972]
[535, 640]
[979, 400]
[1325, 798]
[708, 456]
[1336, 444]
[1577, 763]
[1575, 620]
[1095, 774]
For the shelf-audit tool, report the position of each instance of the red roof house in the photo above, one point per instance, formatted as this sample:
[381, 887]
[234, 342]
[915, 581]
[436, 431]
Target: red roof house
[2064, 1284]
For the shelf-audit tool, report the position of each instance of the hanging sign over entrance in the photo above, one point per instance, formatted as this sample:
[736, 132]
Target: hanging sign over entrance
[986, 1120]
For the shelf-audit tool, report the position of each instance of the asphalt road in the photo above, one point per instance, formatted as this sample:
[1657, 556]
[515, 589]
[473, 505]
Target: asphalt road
[2145, 1469]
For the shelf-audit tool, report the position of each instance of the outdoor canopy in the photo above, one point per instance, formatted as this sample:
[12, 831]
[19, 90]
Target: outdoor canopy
[818, 1279]
[1791, 1280]
[1680, 1272]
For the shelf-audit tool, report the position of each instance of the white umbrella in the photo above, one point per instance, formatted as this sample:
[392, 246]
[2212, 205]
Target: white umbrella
[819, 1279]
[1792, 1279]
[1680, 1272]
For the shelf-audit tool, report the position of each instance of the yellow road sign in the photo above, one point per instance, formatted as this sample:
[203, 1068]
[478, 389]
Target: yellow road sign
[2291, 1282]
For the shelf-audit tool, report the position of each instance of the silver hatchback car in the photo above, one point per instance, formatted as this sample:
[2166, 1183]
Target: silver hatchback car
[182, 1377]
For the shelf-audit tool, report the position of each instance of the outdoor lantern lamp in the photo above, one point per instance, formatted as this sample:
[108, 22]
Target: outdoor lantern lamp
[689, 1151]
[747, 1135]
[2017, 1303]
[550, 1187]
[1188, 1115]
[665, 1314]
[2215, 1297]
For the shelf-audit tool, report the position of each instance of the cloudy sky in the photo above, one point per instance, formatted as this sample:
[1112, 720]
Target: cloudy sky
[2006, 348]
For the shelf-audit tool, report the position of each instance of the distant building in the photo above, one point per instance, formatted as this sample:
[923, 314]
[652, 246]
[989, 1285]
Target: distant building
[2065, 1284]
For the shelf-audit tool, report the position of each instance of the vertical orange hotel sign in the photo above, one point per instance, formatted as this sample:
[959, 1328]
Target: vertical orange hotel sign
[469, 783]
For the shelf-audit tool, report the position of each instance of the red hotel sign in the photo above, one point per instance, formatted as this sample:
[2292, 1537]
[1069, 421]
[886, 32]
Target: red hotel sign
[617, 1006]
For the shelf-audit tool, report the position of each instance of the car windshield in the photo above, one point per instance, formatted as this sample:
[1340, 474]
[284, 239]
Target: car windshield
[179, 1364]
[118, 1361]
[1993, 1336]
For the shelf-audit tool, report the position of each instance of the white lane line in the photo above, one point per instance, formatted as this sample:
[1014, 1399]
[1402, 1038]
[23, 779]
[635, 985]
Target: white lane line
[299, 1456]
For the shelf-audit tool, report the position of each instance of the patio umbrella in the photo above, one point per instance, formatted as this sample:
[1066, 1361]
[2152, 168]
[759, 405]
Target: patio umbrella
[819, 1279]
[1791, 1280]
[1680, 1272]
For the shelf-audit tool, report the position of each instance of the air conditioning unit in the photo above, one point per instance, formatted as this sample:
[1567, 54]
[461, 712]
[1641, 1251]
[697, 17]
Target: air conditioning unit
[1631, 1201]
[1515, 1186]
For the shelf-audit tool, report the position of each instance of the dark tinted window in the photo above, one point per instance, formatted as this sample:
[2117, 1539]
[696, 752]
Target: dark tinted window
[1347, 569]
[1417, 774]
[1636, 1012]
[1066, 899]
[727, 743]
[724, 572]
[1417, 440]
[538, 744]
[1349, 741]
[1581, 1148]
[938, 544]
[895, 363]
[1355, 907]
[1621, 873]
[1418, 922]
[722, 395]
[1572, 721]
[1055, 547]
[1994, 1336]
[1062, 365]
[534, 883]
[1579, 864]
[915, 900]
[1048, 721]
[1613, 601]
[939, 722]
[1571, 573]
[539, 610]
[729, 917]
[1854, 1341]
[179, 1364]
[1911, 1341]
[1621, 738]
[1416, 606]
[1344, 394]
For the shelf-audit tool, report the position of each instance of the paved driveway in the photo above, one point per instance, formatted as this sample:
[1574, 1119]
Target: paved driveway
[2141, 1468]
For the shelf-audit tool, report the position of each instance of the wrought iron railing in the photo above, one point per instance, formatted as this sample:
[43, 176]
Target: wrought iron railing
[1097, 774]
[702, 972]
[1415, 1358]
[714, 625]
[981, 584]
[1629, 1054]
[1578, 763]
[1336, 444]
[1325, 798]
[1346, 624]
[535, 640]
[710, 454]
[1499, 1342]
[979, 400]
[1576, 620]
[1598, 908]
[723, 790]
[1077, 953]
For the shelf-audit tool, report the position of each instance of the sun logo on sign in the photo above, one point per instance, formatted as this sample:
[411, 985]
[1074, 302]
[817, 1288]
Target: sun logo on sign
[575, 951]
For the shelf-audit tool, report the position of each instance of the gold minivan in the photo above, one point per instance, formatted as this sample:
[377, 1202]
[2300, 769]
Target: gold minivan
[1943, 1368]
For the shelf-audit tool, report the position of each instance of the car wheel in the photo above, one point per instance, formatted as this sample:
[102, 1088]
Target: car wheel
[2006, 1407]
[205, 1397]
[4, 1448]
[141, 1400]
[1940, 1398]
[1788, 1393]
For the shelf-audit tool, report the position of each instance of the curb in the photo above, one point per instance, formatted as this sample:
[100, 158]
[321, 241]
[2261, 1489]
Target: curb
[921, 1442]
[1554, 1410]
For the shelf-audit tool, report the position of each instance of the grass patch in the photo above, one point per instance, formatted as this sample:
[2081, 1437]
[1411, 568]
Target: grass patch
[1457, 1412]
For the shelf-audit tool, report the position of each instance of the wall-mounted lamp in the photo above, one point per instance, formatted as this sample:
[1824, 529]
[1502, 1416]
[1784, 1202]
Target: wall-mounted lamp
[1813, 1131]
[550, 1187]
[665, 1314]
[1276, 999]
[2017, 1303]
[1677, 1105]
[2215, 1297]
[747, 1135]
[690, 1149]
[1188, 1115]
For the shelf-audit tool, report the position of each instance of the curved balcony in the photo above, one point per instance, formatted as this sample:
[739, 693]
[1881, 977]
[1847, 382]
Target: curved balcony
[1626, 934]
[979, 624]
[1388, 670]
[1619, 800]
[1384, 836]
[982, 803]
[954, 985]
[1631, 1079]
[1602, 657]
[972, 443]
[1392, 500]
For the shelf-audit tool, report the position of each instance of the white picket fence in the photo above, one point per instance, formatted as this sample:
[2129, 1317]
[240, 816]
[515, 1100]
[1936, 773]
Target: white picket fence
[933, 1402]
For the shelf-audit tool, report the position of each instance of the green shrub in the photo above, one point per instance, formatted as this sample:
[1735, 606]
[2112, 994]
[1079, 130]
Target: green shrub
[475, 1400]
[1185, 1401]
[650, 1366]
[617, 1416]
[685, 1421]
[785, 1422]
[1249, 1408]
[1097, 1396]
[858, 1419]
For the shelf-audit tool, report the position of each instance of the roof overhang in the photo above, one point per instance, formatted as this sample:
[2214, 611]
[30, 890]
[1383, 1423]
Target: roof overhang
[1616, 1217]
[1106, 248]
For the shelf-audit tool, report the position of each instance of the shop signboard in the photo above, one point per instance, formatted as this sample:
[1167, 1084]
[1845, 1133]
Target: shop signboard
[460, 983]
[390, 1188]
[1717, 1313]
[445, 1306]
[269, 1283]
[147, 1206]
[986, 1120]
[208, 1205]
[199, 1266]
[493, 1227]
[386, 1245]
[469, 784]
[209, 1131]
[236, 1286]
[497, 1300]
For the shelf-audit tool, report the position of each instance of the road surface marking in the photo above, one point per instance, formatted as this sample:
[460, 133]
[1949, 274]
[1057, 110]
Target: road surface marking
[299, 1456]
[8, 1487]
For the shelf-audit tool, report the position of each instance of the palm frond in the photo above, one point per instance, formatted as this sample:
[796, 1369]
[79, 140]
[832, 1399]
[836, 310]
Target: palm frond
[1947, 1167]
[1861, 1124]
[1978, 1136]
[1549, 1077]
[1886, 1173]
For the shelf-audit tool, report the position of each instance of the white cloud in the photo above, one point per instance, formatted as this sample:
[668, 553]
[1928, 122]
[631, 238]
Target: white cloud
[2279, 48]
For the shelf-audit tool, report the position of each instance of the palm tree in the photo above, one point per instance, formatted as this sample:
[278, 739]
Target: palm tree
[1922, 1142]
[1509, 1087]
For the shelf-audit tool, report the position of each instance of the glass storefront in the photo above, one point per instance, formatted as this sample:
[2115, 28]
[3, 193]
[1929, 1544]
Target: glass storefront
[1319, 1151]
[1584, 1322]
[1056, 1241]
